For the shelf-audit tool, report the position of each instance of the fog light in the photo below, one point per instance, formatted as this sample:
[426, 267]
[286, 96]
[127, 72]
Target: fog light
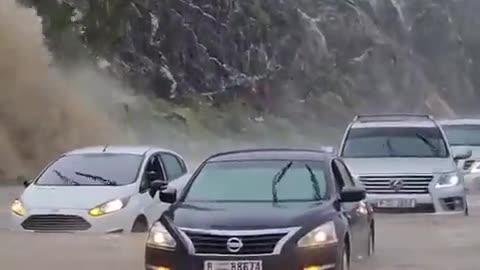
[313, 268]
[162, 268]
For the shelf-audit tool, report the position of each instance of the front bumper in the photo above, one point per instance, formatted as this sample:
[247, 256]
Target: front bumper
[71, 220]
[295, 258]
[451, 200]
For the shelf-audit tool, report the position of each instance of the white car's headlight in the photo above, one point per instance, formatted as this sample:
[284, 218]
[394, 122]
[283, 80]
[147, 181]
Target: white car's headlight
[320, 236]
[108, 207]
[159, 237]
[18, 208]
[447, 180]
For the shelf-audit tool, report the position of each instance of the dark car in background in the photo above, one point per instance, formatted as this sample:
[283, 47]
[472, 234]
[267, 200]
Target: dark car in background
[264, 209]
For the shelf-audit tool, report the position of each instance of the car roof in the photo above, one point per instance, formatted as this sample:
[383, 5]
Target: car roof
[272, 154]
[118, 149]
[393, 120]
[460, 121]
[402, 123]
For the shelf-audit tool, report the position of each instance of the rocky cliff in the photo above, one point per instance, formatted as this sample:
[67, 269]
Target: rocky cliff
[308, 61]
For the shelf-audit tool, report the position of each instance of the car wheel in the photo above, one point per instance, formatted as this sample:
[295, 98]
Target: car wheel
[345, 263]
[466, 210]
[140, 225]
[371, 244]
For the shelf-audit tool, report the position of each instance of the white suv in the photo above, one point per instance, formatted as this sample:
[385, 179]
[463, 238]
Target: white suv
[405, 163]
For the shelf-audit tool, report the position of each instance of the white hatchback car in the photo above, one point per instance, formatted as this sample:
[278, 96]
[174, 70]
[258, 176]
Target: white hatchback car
[99, 189]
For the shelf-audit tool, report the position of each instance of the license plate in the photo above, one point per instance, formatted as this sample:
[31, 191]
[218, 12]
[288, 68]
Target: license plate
[396, 203]
[233, 265]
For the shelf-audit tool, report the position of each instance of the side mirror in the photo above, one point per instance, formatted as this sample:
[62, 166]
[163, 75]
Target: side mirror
[157, 185]
[169, 195]
[461, 154]
[27, 183]
[352, 194]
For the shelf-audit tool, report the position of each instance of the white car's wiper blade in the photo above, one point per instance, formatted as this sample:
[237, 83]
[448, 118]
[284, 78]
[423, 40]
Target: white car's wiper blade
[98, 178]
[66, 179]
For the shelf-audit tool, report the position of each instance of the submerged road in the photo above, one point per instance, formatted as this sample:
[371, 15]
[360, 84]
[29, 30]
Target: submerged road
[404, 242]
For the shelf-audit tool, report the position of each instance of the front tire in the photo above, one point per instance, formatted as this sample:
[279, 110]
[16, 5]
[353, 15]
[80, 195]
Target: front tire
[344, 260]
[371, 244]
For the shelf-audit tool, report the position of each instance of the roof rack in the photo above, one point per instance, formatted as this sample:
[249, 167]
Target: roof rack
[321, 150]
[390, 117]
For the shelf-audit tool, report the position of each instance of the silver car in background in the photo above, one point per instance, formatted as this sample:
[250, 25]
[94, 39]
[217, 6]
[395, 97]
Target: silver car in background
[464, 135]
[405, 163]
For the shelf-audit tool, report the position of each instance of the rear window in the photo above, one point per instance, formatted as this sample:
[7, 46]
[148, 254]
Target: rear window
[405, 142]
[253, 181]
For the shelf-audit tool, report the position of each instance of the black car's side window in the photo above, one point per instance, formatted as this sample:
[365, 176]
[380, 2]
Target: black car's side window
[345, 172]
[173, 166]
[339, 183]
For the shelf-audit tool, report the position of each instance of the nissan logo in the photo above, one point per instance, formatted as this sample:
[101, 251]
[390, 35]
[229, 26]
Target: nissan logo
[396, 184]
[234, 244]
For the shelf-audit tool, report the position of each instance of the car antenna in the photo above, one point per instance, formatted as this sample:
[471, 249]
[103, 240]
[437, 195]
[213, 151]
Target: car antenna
[105, 148]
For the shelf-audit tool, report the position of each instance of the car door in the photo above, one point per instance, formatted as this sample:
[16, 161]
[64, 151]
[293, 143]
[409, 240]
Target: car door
[351, 210]
[153, 170]
[175, 170]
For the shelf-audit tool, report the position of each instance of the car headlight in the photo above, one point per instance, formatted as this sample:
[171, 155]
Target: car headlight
[108, 207]
[18, 208]
[322, 235]
[159, 237]
[447, 180]
[475, 167]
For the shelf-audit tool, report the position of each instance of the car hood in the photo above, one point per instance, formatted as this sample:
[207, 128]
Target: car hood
[366, 166]
[238, 216]
[72, 197]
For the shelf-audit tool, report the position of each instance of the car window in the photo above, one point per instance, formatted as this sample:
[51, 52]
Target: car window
[468, 135]
[253, 181]
[395, 142]
[92, 169]
[345, 174]
[173, 166]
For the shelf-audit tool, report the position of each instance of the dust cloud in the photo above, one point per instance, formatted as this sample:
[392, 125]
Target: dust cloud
[42, 113]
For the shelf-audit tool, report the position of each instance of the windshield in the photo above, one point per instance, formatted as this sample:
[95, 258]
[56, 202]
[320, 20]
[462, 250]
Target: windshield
[260, 181]
[463, 134]
[395, 142]
[92, 169]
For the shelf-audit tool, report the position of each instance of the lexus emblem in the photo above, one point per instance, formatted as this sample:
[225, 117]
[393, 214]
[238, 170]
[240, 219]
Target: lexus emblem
[234, 244]
[396, 184]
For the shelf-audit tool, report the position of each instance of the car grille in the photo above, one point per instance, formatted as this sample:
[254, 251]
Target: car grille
[211, 243]
[468, 164]
[55, 223]
[416, 184]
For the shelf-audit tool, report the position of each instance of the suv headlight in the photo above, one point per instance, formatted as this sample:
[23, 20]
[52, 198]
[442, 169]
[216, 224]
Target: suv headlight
[448, 180]
[159, 237]
[18, 208]
[108, 207]
[320, 236]
[475, 167]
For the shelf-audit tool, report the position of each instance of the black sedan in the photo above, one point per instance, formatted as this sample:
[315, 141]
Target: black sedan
[263, 209]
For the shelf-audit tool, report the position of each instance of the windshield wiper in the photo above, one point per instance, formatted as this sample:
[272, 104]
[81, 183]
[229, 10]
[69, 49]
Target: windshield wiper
[66, 179]
[315, 185]
[98, 178]
[277, 178]
[432, 147]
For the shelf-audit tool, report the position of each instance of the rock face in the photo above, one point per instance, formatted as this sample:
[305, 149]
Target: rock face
[322, 58]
